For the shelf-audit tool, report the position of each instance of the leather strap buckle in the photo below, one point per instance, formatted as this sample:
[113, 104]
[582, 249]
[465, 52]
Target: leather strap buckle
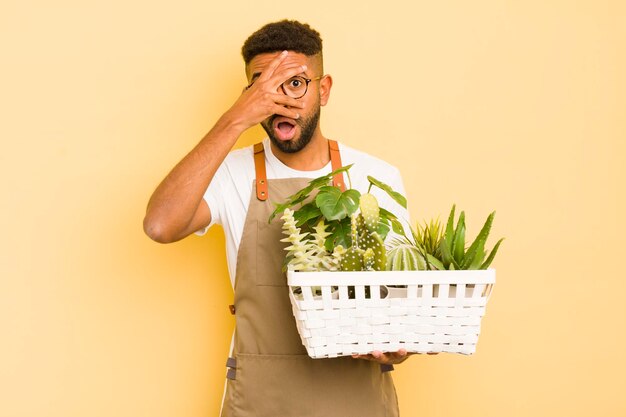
[259, 168]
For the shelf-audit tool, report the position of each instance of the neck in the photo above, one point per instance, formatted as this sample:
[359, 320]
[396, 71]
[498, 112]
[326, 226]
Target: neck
[314, 156]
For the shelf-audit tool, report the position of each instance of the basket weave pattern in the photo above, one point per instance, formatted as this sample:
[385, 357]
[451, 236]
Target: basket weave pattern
[358, 312]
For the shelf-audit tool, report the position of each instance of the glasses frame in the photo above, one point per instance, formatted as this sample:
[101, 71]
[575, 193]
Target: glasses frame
[282, 86]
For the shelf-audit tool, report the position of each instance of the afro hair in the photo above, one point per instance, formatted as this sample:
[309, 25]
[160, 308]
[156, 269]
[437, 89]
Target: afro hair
[286, 35]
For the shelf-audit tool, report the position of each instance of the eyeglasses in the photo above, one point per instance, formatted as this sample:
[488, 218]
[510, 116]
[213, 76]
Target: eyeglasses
[295, 87]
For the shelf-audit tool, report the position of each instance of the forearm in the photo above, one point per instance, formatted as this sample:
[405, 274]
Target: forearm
[173, 210]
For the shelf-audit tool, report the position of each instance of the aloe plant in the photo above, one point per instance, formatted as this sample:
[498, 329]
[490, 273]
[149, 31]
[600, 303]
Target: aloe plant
[455, 255]
[432, 248]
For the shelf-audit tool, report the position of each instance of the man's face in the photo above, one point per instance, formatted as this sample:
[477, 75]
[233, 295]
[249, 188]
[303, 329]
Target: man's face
[292, 135]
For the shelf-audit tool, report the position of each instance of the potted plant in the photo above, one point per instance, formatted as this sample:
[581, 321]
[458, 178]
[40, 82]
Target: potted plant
[353, 293]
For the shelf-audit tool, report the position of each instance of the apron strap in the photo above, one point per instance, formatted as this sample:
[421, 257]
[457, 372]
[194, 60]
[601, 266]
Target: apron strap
[261, 175]
[259, 168]
[335, 162]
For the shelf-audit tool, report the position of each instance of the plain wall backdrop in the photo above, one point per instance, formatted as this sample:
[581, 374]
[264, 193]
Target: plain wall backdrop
[518, 107]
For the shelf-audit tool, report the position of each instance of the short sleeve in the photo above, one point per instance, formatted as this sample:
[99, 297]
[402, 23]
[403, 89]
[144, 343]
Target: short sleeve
[212, 198]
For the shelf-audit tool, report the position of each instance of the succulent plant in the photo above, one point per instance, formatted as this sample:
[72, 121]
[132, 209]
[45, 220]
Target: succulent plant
[404, 256]
[307, 252]
[353, 258]
[370, 211]
[367, 251]
[428, 237]
[434, 249]
[454, 254]
[337, 230]
[333, 229]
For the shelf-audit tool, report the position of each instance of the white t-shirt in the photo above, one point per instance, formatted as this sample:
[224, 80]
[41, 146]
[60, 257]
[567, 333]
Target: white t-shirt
[228, 195]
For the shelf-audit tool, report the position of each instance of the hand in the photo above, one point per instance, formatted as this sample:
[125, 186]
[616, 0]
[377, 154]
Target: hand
[263, 99]
[388, 358]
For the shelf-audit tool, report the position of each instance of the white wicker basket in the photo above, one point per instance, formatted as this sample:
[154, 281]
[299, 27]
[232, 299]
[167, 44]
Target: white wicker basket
[436, 311]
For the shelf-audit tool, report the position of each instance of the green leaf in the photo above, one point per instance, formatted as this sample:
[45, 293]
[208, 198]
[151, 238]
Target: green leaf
[307, 212]
[397, 197]
[478, 258]
[387, 214]
[435, 262]
[492, 255]
[446, 243]
[304, 193]
[336, 205]
[479, 242]
[292, 201]
[396, 225]
[383, 229]
[324, 180]
[458, 243]
[339, 234]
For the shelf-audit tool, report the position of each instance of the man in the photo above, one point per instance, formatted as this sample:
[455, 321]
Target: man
[269, 373]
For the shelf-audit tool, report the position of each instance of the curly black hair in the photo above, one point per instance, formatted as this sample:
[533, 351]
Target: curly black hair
[285, 35]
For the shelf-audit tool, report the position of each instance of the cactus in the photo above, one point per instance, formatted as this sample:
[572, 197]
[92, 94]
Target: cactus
[364, 240]
[370, 211]
[353, 258]
[320, 226]
[404, 256]
[435, 249]
[373, 242]
[368, 260]
[322, 223]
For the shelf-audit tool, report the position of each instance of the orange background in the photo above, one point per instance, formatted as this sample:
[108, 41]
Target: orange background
[517, 107]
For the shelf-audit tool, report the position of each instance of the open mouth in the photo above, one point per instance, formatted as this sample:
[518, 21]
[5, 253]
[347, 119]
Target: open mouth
[284, 129]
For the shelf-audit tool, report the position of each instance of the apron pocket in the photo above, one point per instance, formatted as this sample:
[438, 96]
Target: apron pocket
[298, 386]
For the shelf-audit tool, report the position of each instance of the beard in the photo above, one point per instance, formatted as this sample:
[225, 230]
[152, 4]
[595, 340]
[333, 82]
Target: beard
[307, 129]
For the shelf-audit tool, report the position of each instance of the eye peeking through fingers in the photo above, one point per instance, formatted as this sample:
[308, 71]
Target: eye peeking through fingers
[295, 82]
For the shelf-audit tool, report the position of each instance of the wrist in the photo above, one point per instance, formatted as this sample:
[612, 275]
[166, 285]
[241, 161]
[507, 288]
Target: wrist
[230, 124]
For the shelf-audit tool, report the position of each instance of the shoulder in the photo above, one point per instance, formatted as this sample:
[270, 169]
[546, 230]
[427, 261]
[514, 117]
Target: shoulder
[239, 163]
[241, 156]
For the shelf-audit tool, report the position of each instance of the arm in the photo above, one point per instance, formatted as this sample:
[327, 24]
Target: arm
[177, 208]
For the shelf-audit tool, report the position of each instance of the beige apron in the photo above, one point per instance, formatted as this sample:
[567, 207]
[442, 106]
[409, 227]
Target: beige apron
[270, 374]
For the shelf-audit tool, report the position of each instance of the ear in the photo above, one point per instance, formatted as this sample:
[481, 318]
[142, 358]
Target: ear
[326, 84]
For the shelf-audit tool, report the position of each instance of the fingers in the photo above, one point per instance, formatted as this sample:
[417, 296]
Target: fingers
[286, 72]
[278, 72]
[283, 105]
[274, 63]
[264, 97]
[285, 100]
[286, 112]
[388, 358]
